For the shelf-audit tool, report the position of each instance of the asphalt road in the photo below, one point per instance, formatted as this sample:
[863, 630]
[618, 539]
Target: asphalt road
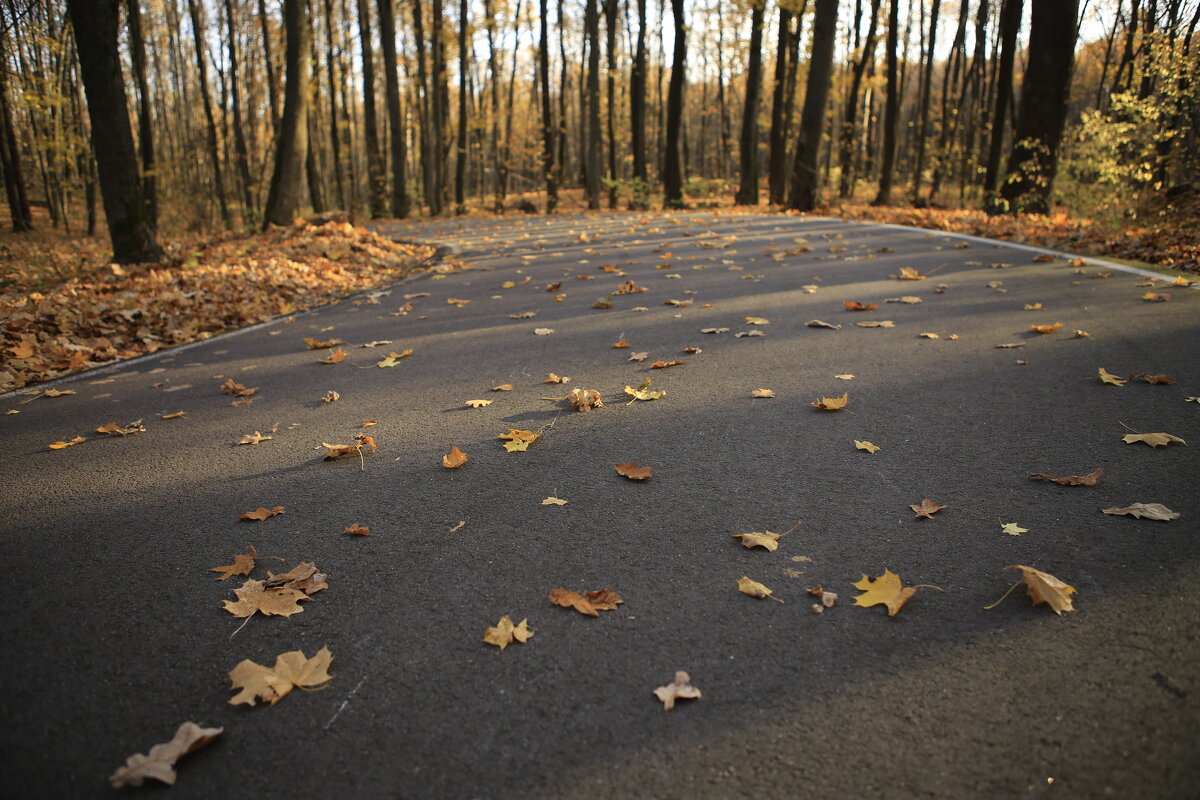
[114, 633]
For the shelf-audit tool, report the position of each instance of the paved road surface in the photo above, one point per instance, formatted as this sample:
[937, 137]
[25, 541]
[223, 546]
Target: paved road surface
[114, 631]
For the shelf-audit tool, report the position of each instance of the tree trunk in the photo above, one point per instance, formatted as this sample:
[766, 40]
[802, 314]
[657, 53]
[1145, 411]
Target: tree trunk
[426, 110]
[438, 110]
[610, 28]
[548, 128]
[287, 180]
[10, 157]
[396, 129]
[1010, 26]
[137, 49]
[926, 91]
[239, 134]
[335, 143]
[850, 123]
[1043, 108]
[592, 152]
[637, 115]
[777, 161]
[672, 171]
[489, 16]
[460, 160]
[812, 119]
[272, 82]
[214, 150]
[891, 109]
[95, 26]
[747, 193]
[506, 151]
[376, 180]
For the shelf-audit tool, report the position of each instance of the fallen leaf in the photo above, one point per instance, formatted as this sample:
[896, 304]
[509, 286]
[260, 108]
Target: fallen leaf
[602, 302]
[681, 689]
[60, 445]
[757, 321]
[744, 334]
[632, 471]
[908, 274]
[929, 335]
[1155, 511]
[459, 526]
[1042, 587]
[1152, 439]
[552, 378]
[679, 303]
[908, 299]
[393, 358]
[755, 589]
[865, 445]
[272, 684]
[714, 330]
[335, 357]
[243, 564]
[455, 301]
[644, 393]
[313, 344]
[665, 364]
[357, 530]
[816, 323]
[518, 441]
[886, 590]
[828, 599]
[762, 393]
[845, 377]
[504, 387]
[1156, 298]
[1033, 306]
[1012, 528]
[505, 633]
[1191, 400]
[588, 603]
[113, 429]
[693, 350]
[304, 577]
[883, 323]
[254, 596]
[1072, 480]
[764, 539]
[621, 345]
[330, 397]
[1078, 334]
[454, 459]
[58, 393]
[927, 508]
[638, 356]
[253, 438]
[1045, 258]
[477, 403]
[543, 331]
[1109, 378]
[584, 399]
[832, 403]
[1152, 379]
[1045, 328]
[159, 764]
[1010, 346]
[261, 513]
[855, 306]
[336, 451]
[554, 501]
[523, 314]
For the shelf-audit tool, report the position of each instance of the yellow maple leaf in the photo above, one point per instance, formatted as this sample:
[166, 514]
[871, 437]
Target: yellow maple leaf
[272, 684]
[644, 392]
[1152, 439]
[886, 590]
[1042, 587]
[505, 633]
[477, 403]
[832, 403]
[865, 445]
[254, 596]
[393, 358]
[1012, 528]
[1109, 378]
[755, 589]
[764, 539]
[554, 501]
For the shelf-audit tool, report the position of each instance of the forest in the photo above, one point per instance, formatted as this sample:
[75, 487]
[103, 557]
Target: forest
[158, 117]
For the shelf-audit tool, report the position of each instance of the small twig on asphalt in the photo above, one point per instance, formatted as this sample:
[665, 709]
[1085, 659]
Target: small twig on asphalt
[1126, 427]
[1006, 594]
[342, 707]
[789, 530]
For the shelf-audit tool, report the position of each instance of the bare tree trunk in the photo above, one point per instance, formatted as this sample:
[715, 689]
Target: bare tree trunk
[396, 128]
[892, 109]
[95, 26]
[460, 160]
[272, 83]
[438, 110]
[747, 193]
[637, 114]
[850, 123]
[426, 110]
[949, 76]
[137, 49]
[594, 144]
[926, 90]
[335, 144]
[489, 15]
[610, 23]
[376, 180]
[214, 150]
[239, 134]
[812, 119]
[1010, 26]
[777, 161]
[287, 181]
[10, 156]
[506, 152]
[672, 171]
[548, 128]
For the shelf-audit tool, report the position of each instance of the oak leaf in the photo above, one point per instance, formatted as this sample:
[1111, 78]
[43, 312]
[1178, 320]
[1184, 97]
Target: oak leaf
[886, 590]
[633, 472]
[762, 393]
[680, 689]
[260, 513]
[159, 764]
[1152, 439]
[927, 508]
[864, 445]
[304, 577]
[1109, 378]
[755, 589]
[272, 684]
[454, 459]
[1072, 480]
[852, 305]
[254, 596]
[357, 530]
[505, 633]
[335, 357]
[588, 603]
[1042, 587]
[1155, 511]
[243, 564]
[832, 403]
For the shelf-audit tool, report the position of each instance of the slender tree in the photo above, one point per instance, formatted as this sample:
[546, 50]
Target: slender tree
[287, 180]
[376, 180]
[672, 169]
[396, 129]
[747, 193]
[460, 159]
[1043, 108]
[239, 131]
[94, 23]
[214, 150]
[594, 144]
[923, 112]
[1010, 25]
[891, 112]
[137, 48]
[777, 160]
[548, 127]
[805, 178]
[611, 22]
[637, 114]
[850, 123]
[269, 64]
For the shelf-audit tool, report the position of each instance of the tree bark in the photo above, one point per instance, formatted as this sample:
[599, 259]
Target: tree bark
[672, 170]
[610, 28]
[95, 26]
[926, 91]
[747, 193]
[460, 160]
[777, 161]
[396, 128]
[214, 150]
[10, 157]
[891, 109]
[438, 109]
[1010, 26]
[287, 180]
[239, 134]
[272, 82]
[548, 129]
[137, 49]
[376, 180]
[593, 148]
[805, 182]
[850, 123]
[1043, 109]
[637, 114]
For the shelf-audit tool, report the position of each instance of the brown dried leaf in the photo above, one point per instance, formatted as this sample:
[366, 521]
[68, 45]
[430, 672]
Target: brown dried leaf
[1072, 480]
[272, 684]
[633, 472]
[927, 508]
[816, 323]
[588, 603]
[60, 444]
[159, 764]
[504, 387]
[681, 689]
[454, 459]
[243, 564]
[762, 393]
[254, 596]
[518, 441]
[393, 358]
[1045, 328]
[1152, 379]
[357, 530]
[1043, 587]
[505, 633]
[908, 274]
[304, 577]
[1109, 378]
[1152, 439]
[113, 429]
[664, 364]
[261, 513]
[852, 305]
[313, 344]
[552, 378]
[1155, 511]
[253, 438]
[832, 403]
[584, 399]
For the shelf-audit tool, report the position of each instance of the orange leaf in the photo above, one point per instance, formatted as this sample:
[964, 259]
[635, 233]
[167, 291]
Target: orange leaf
[927, 508]
[632, 471]
[588, 603]
[665, 364]
[454, 459]
[357, 529]
[335, 356]
[1045, 328]
[261, 513]
[854, 306]
[1072, 480]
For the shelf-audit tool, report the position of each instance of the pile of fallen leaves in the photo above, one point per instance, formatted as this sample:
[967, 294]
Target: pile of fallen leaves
[1164, 241]
[200, 289]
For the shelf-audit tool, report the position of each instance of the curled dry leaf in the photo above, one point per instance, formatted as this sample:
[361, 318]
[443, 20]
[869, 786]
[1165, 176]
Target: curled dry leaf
[633, 472]
[852, 305]
[880, 323]
[1072, 480]
[629, 287]
[693, 350]
[886, 590]
[454, 459]
[638, 356]
[757, 321]
[243, 564]
[1042, 587]
[238, 390]
[456, 301]
[828, 599]
[714, 330]
[357, 530]
[543, 331]
[584, 399]
[1010, 345]
[926, 508]
[1033, 306]
[832, 403]
[113, 429]
[254, 596]
[330, 397]
[159, 764]
[503, 387]
[253, 438]
[908, 299]
[523, 315]
[272, 684]
[602, 302]
[518, 441]
[644, 392]
[173, 415]
[908, 274]
[930, 335]
[261, 513]
[59, 445]
[679, 303]
[1152, 439]
[764, 539]
[865, 445]
[680, 689]
[744, 334]
[1154, 297]
[664, 364]
[552, 378]
[1045, 328]
[816, 323]
[588, 603]
[314, 344]
[1155, 511]
[335, 357]
[1109, 378]
[621, 345]
[554, 501]
[304, 577]
[755, 589]
[1148, 378]
[477, 403]
[393, 358]
[762, 393]
[505, 633]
